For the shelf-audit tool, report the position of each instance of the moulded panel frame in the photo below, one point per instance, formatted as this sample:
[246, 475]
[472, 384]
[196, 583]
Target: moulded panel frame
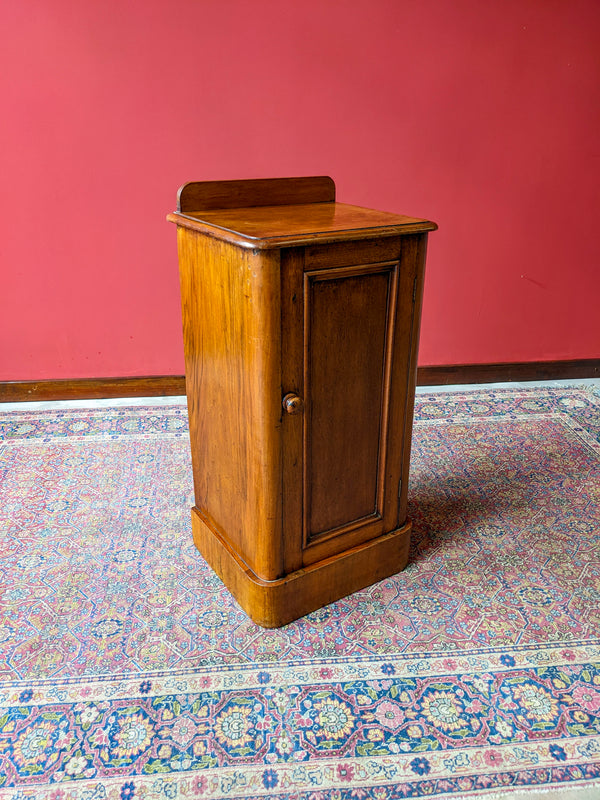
[371, 524]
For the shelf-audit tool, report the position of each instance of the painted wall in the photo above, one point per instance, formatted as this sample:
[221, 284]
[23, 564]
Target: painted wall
[482, 116]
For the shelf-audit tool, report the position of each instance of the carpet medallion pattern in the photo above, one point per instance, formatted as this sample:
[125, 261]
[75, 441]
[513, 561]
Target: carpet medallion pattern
[128, 671]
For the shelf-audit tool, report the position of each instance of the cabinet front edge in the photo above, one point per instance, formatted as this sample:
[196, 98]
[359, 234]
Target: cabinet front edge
[273, 243]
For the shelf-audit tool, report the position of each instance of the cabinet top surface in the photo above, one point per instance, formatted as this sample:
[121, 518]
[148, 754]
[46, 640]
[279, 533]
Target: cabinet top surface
[264, 227]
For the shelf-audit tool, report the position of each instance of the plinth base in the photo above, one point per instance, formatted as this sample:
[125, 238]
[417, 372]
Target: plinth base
[272, 604]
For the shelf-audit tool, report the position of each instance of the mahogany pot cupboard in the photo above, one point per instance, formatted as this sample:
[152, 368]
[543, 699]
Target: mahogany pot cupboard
[301, 323]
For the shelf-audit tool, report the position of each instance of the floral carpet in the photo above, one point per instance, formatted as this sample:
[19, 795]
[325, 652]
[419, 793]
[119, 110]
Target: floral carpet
[128, 671]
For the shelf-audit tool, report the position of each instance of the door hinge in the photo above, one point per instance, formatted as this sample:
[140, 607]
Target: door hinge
[400, 487]
[414, 290]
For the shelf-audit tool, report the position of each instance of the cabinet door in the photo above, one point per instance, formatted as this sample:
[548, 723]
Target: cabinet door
[348, 320]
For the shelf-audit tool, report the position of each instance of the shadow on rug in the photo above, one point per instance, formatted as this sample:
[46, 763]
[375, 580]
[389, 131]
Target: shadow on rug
[127, 670]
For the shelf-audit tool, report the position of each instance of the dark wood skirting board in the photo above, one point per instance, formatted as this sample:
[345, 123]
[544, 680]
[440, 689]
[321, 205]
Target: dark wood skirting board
[501, 373]
[171, 385]
[92, 388]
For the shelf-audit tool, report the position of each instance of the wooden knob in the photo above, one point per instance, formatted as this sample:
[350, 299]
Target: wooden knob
[292, 403]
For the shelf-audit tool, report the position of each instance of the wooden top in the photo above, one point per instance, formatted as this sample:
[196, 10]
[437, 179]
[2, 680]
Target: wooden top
[283, 212]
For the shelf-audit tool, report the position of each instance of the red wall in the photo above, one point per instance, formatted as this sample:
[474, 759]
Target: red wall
[482, 116]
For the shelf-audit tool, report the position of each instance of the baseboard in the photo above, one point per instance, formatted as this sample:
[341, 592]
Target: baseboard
[169, 385]
[502, 373]
[92, 388]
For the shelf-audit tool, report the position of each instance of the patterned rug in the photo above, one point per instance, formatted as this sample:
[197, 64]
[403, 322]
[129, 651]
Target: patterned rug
[127, 670]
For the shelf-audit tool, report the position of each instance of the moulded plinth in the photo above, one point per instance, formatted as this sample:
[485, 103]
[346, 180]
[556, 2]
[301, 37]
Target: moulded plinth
[278, 602]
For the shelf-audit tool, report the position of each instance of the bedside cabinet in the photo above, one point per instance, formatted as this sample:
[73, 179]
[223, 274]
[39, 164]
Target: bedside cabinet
[301, 326]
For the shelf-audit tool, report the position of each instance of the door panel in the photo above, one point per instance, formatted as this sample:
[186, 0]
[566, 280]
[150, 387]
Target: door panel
[349, 351]
[348, 331]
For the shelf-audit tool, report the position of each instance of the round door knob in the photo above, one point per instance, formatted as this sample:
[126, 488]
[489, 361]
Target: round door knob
[292, 403]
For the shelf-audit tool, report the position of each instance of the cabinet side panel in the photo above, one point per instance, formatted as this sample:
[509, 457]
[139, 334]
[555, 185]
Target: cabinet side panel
[409, 321]
[230, 306]
[347, 325]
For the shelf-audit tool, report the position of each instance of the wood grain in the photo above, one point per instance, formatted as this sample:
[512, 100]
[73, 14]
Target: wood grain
[267, 227]
[301, 366]
[347, 326]
[292, 380]
[209, 195]
[404, 386]
[231, 323]
[506, 372]
[272, 604]
[92, 388]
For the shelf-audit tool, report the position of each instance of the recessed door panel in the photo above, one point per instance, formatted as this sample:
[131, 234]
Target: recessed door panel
[348, 327]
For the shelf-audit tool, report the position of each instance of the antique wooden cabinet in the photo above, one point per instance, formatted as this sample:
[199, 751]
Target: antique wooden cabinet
[301, 324]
